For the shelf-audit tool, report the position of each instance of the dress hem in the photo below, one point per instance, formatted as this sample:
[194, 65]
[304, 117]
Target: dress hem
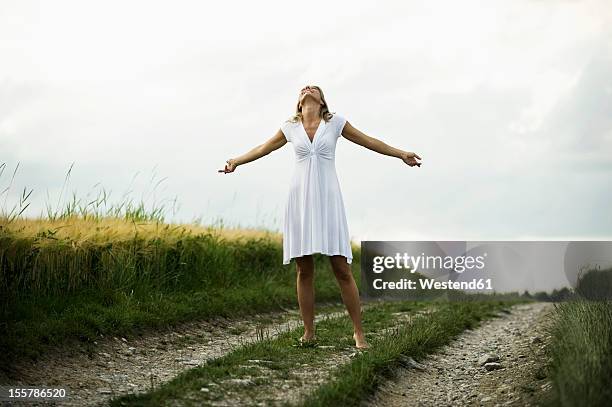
[349, 260]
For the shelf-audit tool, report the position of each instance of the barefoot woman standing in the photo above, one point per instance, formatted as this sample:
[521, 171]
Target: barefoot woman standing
[315, 220]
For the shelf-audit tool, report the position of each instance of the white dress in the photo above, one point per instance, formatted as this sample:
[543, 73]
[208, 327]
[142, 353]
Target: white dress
[315, 219]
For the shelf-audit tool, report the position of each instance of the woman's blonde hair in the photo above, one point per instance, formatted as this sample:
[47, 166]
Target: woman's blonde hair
[325, 114]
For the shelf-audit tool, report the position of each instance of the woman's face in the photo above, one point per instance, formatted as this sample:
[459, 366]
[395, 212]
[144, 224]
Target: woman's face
[310, 91]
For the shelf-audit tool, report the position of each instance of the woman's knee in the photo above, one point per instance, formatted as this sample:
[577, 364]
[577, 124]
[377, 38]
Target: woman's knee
[341, 268]
[304, 266]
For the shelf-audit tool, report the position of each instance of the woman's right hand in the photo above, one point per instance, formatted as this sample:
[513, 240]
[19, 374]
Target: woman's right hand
[230, 166]
[409, 158]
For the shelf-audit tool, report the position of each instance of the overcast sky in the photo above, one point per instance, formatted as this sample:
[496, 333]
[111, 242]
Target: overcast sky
[509, 104]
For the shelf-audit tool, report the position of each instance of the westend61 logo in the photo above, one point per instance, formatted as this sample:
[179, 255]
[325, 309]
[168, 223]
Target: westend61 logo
[458, 264]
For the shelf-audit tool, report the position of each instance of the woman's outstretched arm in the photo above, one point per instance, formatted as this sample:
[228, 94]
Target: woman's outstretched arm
[374, 144]
[276, 142]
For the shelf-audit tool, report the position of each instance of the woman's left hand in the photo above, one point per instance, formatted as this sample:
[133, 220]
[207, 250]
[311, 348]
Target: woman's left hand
[409, 158]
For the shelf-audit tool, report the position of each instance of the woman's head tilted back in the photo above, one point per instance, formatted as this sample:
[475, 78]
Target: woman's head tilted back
[312, 92]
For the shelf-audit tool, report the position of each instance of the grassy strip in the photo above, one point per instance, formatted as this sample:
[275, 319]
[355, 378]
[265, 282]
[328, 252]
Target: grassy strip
[354, 382]
[283, 363]
[581, 354]
[59, 321]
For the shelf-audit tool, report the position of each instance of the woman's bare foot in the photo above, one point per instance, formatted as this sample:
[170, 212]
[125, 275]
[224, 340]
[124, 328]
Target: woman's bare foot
[360, 341]
[308, 340]
[308, 336]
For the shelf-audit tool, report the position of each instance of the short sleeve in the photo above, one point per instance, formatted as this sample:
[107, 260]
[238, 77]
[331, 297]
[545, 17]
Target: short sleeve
[285, 127]
[340, 122]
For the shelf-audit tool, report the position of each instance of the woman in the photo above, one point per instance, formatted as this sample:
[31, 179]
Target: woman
[315, 220]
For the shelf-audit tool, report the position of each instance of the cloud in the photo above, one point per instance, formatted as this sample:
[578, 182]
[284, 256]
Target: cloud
[506, 104]
[581, 123]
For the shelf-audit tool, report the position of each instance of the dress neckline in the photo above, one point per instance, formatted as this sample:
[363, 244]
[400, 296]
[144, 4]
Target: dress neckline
[314, 137]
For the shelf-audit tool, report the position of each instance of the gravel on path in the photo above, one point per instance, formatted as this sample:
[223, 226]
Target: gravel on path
[500, 363]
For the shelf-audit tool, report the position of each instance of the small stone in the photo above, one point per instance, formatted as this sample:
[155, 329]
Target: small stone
[123, 339]
[492, 366]
[488, 358]
[486, 399]
[409, 362]
[241, 382]
[205, 390]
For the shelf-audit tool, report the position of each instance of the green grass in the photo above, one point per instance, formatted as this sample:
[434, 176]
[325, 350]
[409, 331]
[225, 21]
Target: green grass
[581, 354]
[349, 383]
[139, 284]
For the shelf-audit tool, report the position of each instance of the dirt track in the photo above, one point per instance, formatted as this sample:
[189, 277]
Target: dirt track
[459, 375]
[114, 366]
[454, 376]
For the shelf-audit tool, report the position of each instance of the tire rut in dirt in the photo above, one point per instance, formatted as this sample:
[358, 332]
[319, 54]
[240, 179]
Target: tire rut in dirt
[115, 366]
[501, 362]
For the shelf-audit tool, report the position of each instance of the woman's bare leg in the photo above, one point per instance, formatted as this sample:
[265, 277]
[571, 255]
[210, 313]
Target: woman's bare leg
[350, 296]
[305, 292]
